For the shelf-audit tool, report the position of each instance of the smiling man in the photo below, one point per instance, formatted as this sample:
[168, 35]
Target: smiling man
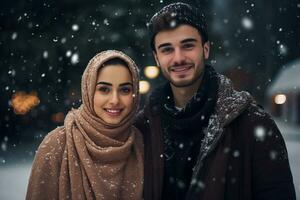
[203, 139]
[180, 54]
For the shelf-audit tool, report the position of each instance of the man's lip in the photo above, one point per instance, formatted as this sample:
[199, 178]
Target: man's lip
[180, 69]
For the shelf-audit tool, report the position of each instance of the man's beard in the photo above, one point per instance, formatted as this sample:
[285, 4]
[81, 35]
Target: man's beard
[186, 83]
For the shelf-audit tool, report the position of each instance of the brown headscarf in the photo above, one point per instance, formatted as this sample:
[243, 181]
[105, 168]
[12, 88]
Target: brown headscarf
[93, 159]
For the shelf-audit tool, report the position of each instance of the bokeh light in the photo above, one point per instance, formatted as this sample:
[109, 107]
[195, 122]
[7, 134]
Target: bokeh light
[280, 99]
[151, 72]
[23, 102]
[144, 87]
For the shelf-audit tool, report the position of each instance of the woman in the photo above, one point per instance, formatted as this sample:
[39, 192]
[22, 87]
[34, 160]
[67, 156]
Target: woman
[97, 154]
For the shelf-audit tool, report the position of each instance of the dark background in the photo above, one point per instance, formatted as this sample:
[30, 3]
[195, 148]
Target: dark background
[39, 41]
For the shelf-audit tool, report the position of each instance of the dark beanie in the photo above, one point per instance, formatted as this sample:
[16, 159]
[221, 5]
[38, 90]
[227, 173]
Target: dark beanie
[174, 15]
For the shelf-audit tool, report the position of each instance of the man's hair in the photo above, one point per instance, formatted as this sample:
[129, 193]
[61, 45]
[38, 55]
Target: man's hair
[174, 15]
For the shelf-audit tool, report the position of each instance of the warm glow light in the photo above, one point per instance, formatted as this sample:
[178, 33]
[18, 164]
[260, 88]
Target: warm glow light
[144, 87]
[280, 99]
[58, 117]
[23, 103]
[151, 72]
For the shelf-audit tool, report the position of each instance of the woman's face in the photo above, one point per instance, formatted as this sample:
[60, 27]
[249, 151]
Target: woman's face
[113, 98]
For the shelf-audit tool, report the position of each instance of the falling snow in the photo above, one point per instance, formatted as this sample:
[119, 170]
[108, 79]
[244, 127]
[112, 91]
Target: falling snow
[45, 54]
[14, 36]
[42, 44]
[68, 53]
[247, 23]
[4, 146]
[75, 27]
[260, 133]
[106, 22]
[75, 58]
[282, 49]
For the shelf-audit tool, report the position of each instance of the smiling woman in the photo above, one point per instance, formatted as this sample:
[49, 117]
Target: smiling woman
[113, 98]
[98, 153]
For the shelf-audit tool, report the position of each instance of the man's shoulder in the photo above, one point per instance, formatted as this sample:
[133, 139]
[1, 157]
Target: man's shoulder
[256, 116]
[257, 112]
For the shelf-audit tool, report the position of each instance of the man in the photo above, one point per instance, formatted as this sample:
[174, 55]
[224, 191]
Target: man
[203, 139]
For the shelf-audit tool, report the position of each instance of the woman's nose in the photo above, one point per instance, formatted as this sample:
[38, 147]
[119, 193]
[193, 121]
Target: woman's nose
[114, 98]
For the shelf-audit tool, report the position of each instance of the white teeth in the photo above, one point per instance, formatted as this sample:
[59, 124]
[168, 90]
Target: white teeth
[179, 69]
[113, 111]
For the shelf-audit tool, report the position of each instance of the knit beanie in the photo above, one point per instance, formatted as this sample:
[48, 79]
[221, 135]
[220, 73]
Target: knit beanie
[175, 14]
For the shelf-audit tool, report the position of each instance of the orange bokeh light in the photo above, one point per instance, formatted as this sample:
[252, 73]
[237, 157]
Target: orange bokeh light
[58, 117]
[23, 102]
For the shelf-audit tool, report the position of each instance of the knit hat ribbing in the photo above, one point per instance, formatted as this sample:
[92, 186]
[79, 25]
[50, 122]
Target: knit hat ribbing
[174, 15]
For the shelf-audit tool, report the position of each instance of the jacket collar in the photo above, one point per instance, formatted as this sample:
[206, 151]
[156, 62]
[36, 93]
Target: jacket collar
[230, 104]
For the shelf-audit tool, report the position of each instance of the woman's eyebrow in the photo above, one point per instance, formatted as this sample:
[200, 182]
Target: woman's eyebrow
[104, 83]
[127, 83]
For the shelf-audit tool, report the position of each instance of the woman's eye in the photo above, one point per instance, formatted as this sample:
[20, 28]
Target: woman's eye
[125, 90]
[104, 89]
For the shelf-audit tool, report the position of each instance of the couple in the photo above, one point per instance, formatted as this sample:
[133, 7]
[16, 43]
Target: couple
[196, 138]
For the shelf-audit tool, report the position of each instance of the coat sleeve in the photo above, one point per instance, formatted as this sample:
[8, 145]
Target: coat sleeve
[44, 178]
[141, 122]
[272, 177]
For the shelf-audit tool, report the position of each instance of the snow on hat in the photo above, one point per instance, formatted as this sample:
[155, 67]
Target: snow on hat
[174, 15]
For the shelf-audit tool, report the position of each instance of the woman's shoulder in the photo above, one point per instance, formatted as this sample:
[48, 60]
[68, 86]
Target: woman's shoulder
[56, 136]
[54, 142]
[46, 165]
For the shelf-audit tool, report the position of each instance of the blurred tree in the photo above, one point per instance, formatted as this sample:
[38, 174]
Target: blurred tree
[256, 38]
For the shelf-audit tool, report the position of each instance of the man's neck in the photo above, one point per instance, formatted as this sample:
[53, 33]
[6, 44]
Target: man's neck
[183, 94]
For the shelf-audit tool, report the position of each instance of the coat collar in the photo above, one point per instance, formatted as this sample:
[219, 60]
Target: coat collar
[230, 104]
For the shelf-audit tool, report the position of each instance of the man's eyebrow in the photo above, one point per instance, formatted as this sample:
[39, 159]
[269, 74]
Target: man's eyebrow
[183, 41]
[163, 45]
[127, 83]
[103, 83]
[189, 40]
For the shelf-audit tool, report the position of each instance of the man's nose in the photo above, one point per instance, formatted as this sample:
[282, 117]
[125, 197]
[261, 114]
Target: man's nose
[179, 56]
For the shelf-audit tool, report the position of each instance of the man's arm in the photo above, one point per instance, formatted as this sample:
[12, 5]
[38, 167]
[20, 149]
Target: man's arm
[141, 122]
[272, 177]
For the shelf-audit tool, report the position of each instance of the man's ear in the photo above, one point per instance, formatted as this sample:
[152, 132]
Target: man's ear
[156, 59]
[206, 48]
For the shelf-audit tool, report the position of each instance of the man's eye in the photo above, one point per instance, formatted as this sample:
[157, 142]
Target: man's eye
[188, 46]
[126, 90]
[104, 89]
[166, 50]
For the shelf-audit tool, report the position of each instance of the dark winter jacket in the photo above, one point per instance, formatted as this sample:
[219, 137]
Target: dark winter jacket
[242, 155]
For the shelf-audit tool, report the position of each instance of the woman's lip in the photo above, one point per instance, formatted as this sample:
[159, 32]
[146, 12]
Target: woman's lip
[113, 112]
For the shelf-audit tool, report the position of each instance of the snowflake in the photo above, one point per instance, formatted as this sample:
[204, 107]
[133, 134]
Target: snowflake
[247, 23]
[75, 58]
[260, 133]
[75, 27]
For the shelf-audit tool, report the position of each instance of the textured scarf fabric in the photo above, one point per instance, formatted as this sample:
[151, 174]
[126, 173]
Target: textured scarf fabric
[183, 132]
[100, 160]
[197, 111]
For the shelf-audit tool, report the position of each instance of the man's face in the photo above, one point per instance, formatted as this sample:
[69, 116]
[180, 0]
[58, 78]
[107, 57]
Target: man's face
[180, 54]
